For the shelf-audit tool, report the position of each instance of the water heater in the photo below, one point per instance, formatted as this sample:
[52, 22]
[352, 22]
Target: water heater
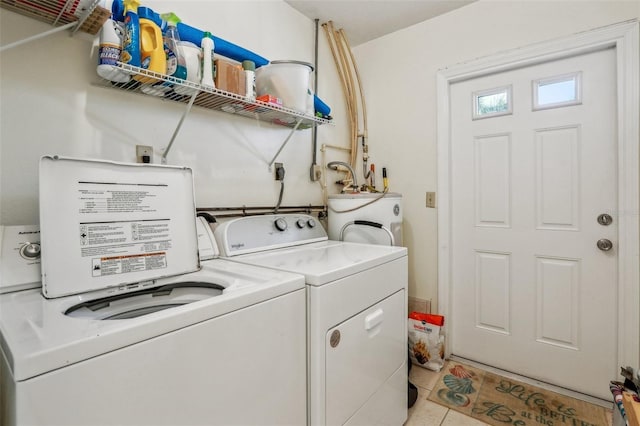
[371, 218]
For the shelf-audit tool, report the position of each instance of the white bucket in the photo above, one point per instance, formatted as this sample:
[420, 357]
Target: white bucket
[289, 81]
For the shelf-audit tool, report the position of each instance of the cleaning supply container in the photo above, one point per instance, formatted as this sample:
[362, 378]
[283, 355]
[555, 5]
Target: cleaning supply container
[192, 56]
[176, 64]
[207, 45]
[131, 42]
[109, 52]
[287, 80]
[152, 55]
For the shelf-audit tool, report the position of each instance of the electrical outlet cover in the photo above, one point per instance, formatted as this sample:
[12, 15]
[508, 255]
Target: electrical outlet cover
[142, 151]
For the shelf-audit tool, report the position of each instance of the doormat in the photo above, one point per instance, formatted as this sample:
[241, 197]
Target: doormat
[501, 401]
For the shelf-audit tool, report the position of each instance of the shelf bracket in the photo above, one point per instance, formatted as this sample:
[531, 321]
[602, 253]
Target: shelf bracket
[74, 26]
[38, 36]
[175, 133]
[85, 15]
[62, 9]
[285, 142]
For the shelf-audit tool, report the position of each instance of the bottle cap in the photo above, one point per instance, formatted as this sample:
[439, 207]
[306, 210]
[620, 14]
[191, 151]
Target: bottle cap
[145, 13]
[131, 5]
[248, 65]
[117, 10]
[171, 18]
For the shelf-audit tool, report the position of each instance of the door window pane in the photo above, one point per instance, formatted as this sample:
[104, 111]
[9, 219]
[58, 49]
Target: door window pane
[558, 91]
[492, 102]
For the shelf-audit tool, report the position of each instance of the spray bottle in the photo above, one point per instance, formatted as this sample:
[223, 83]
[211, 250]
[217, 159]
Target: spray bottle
[176, 63]
[131, 41]
[207, 61]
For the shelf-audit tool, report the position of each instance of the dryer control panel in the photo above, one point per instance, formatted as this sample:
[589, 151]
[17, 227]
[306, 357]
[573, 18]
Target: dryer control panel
[19, 258]
[251, 234]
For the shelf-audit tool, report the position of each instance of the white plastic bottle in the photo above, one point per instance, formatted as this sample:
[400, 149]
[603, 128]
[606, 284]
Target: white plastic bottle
[109, 52]
[207, 61]
[250, 79]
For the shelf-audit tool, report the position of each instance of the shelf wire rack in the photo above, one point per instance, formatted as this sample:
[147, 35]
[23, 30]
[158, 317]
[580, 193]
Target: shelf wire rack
[177, 90]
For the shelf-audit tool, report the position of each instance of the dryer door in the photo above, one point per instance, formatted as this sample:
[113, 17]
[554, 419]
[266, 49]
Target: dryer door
[361, 354]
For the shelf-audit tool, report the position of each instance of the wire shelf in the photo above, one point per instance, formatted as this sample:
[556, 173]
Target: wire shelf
[177, 90]
[87, 16]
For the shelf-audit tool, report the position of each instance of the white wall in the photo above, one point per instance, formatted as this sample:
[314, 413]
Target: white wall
[399, 76]
[48, 105]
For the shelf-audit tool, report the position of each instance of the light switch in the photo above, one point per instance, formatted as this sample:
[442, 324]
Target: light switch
[431, 200]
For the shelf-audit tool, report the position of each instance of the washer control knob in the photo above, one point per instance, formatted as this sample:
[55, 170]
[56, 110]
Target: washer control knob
[30, 251]
[281, 224]
[301, 223]
[311, 223]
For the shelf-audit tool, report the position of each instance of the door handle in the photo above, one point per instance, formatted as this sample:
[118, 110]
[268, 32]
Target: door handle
[374, 319]
[604, 244]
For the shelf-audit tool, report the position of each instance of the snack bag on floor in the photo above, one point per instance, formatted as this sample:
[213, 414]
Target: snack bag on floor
[426, 340]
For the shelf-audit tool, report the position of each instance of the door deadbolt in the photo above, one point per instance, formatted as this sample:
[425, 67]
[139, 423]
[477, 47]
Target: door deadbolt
[605, 219]
[604, 244]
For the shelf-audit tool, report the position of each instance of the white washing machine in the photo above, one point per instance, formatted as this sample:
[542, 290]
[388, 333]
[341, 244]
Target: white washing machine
[357, 310]
[370, 218]
[19, 258]
[103, 348]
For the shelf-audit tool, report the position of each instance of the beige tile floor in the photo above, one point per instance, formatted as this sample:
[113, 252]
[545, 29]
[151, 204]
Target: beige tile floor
[427, 413]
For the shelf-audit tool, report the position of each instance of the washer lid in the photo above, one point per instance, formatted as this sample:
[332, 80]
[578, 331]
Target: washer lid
[106, 224]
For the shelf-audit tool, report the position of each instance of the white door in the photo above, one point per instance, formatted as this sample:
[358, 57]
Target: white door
[533, 165]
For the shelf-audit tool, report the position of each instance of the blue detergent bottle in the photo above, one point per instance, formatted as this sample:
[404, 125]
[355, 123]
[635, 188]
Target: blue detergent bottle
[131, 41]
[176, 62]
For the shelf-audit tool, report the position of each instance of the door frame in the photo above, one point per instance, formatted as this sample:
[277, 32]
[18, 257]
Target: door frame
[625, 38]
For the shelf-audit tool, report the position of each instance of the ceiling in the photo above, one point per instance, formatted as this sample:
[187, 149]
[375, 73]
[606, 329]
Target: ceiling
[365, 20]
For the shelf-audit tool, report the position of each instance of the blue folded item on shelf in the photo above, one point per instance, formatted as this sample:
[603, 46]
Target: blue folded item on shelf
[222, 47]
[194, 35]
[321, 107]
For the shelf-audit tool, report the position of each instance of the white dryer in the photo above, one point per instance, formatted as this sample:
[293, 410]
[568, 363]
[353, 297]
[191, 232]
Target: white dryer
[188, 348]
[357, 310]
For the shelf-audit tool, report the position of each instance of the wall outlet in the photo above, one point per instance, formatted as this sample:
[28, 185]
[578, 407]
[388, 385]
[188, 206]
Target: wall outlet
[144, 154]
[431, 200]
[279, 171]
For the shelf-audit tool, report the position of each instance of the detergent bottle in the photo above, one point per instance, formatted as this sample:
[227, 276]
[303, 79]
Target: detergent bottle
[176, 62]
[152, 55]
[207, 61]
[131, 41]
[109, 52]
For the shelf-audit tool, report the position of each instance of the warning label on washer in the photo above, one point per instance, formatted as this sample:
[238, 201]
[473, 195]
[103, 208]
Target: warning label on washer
[103, 266]
[128, 245]
[100, 198]
[125, 247]
[101, 234]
